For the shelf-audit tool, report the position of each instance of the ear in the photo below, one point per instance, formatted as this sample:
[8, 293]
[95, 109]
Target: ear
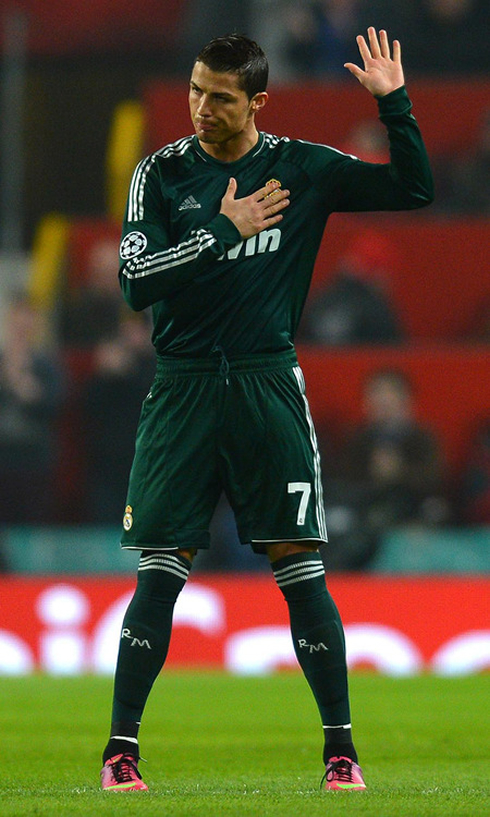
[258, 101]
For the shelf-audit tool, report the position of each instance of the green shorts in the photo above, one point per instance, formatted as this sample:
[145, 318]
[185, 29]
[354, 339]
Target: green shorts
[241, 426]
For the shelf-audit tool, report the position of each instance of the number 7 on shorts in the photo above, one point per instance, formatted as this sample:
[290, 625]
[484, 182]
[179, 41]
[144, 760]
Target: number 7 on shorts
[303, 488]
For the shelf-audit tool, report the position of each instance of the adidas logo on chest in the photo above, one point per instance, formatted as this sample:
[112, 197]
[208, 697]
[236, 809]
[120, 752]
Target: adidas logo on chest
[189, 203]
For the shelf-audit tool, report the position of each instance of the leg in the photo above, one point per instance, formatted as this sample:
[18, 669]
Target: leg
[318, 639]
[144, 643]
[173, 489]
[282, 512]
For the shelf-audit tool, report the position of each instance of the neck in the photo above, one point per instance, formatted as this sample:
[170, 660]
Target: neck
[233, 149]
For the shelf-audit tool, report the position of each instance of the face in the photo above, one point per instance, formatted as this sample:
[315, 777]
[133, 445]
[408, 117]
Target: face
[386, 401]
[222, 113]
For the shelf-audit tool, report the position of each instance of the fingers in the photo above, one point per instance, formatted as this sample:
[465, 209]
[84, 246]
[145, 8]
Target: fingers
[232, 188]
[270, 188]
[363, 48]
[272, 198]
[276, 196]
[354, 69]
[382, 73]
[272, 205]
[384, 44]
[373, 43]
[277, 205]
[377, 48]
[270, 195]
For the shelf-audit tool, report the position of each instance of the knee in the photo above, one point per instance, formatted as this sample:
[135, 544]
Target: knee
[278, 550]
[187, 553]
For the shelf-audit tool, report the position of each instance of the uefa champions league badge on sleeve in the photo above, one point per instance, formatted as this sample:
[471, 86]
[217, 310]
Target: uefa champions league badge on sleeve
[128, 518]
[133, 244]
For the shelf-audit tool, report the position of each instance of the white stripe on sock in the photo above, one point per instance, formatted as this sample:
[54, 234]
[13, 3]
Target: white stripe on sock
[295, 579]
[299, 572]
[299, 567]
[124, 737]
[164, 562]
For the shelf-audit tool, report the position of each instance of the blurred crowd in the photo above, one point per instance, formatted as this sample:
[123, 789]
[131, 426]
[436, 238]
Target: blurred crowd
[315, 38]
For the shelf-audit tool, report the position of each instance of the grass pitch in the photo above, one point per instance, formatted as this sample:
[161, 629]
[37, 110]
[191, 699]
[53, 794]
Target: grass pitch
[218, 745]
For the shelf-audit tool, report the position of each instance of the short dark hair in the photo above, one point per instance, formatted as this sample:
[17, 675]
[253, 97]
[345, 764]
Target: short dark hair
[239, 55]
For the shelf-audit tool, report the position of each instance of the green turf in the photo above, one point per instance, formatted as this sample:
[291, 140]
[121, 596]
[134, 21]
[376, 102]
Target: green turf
[218, 745]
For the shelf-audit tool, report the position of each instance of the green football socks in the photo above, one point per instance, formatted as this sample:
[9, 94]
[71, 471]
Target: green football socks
[145, 638]
[319, 644]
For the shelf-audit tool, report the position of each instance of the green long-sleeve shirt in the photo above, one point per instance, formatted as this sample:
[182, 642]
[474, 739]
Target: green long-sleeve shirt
[206, 286]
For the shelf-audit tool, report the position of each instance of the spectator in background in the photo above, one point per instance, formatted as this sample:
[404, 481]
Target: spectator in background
[31, 395]
[367, 140]
[448, 37]
[394, 17]
[318, 36]
[475, 487]
[91, 312]
[123, 370]
[391, 473]
[465, 179]
[355, 307]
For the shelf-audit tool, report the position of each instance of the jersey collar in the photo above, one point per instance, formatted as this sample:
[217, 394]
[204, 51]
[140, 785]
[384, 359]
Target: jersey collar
[243, 159]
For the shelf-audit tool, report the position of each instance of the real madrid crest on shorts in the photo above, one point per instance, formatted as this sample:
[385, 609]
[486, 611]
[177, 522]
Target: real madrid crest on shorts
[133, 244]
[128, 518]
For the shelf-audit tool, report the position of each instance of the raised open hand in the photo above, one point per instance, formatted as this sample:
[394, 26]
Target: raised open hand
[382, 73]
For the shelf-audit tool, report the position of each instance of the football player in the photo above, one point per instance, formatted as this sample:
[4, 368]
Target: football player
[220, 237]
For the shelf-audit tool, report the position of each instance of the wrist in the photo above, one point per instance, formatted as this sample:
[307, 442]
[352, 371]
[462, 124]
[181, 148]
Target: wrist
[225, 230]
[395, 103]
[391, 91]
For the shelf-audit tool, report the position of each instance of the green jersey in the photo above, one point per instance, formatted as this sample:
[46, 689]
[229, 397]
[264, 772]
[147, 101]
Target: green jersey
[209, 288]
